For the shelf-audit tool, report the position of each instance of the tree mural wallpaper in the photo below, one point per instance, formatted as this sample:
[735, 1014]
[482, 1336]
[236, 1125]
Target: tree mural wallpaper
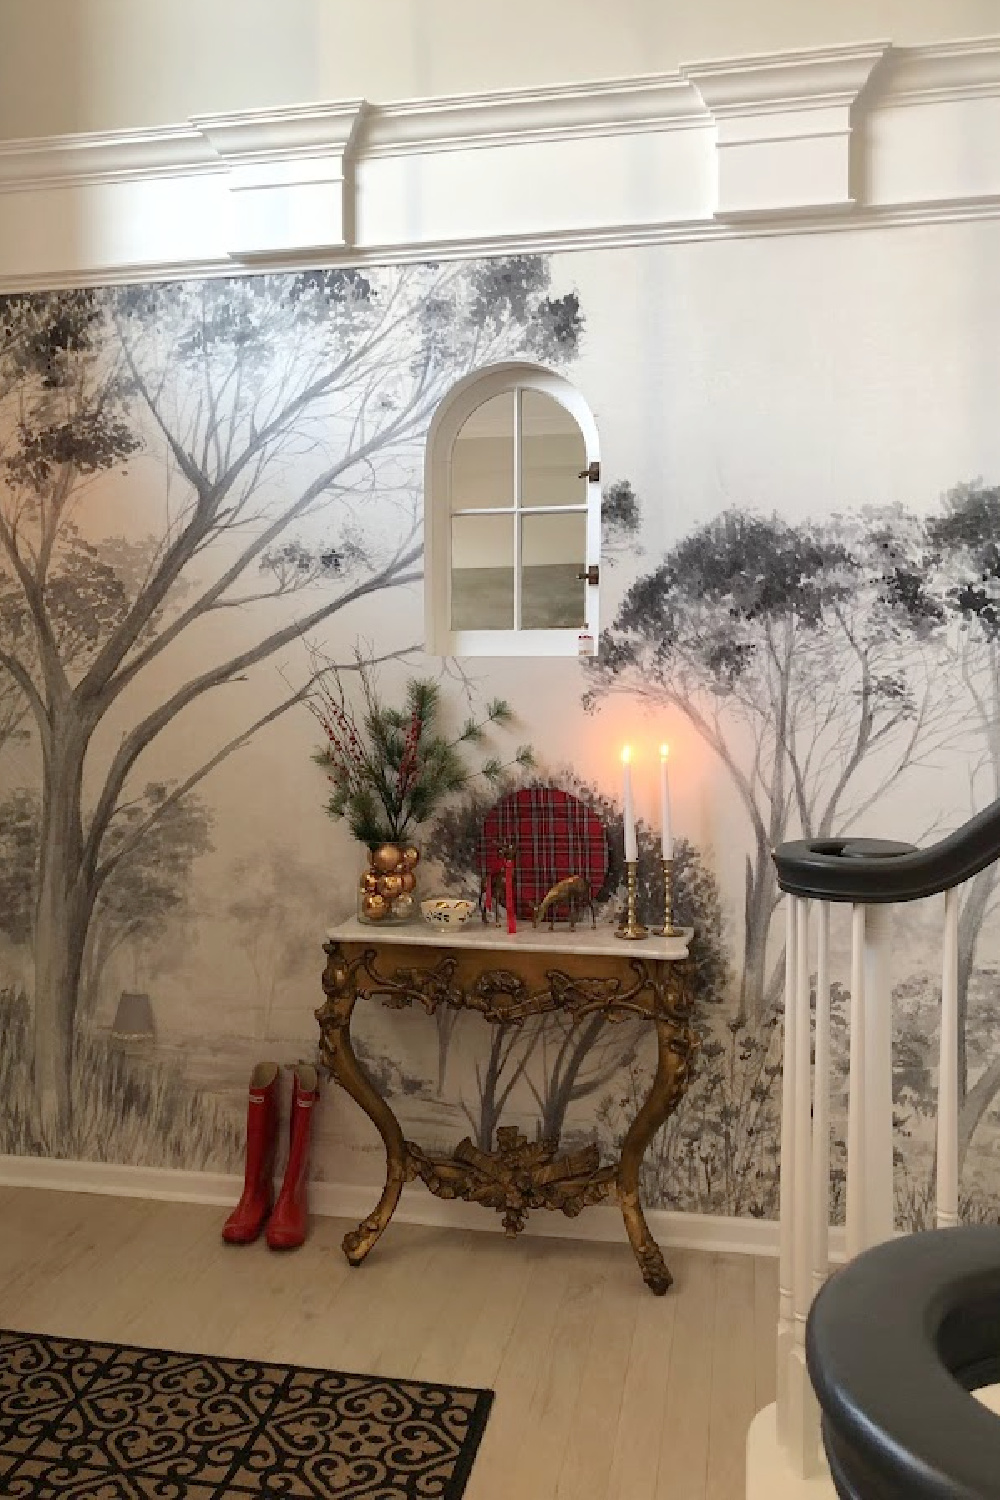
[275, 410]
[210, 501]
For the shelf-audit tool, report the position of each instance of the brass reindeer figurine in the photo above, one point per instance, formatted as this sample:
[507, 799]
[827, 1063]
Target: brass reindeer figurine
[573, 892]
[494, 885]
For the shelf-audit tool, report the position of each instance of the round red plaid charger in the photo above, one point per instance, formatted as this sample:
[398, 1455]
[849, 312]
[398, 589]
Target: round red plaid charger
[556, 835]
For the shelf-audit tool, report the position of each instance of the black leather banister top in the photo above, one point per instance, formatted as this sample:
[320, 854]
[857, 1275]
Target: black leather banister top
[877, 870]
[894, 1343]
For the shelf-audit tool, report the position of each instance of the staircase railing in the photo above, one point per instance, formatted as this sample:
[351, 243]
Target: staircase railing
[895, 1343]
[872, 875]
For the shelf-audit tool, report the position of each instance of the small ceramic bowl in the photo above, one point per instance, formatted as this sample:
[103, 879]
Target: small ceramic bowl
[447, 911]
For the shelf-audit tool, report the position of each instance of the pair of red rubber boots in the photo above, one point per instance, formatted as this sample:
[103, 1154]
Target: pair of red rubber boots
[287, 1218]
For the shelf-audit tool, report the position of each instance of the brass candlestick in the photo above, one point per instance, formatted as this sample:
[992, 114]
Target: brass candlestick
[668, 929]
[631, 927]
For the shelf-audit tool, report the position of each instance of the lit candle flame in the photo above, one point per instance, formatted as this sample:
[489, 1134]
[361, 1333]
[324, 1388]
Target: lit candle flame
[626, 754]
[664, 751]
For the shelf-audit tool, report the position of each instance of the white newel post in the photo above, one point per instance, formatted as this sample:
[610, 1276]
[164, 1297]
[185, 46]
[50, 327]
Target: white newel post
[786, 1295]
[947, 1120]
[856, 1091]
[879, 1201]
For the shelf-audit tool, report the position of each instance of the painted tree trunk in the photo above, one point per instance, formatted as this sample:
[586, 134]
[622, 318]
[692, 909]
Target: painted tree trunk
[761, 890]
[445, 1021]
[61, 918]
[975, 1105]
[970, 924]
[489, 1105]
[560, 1087]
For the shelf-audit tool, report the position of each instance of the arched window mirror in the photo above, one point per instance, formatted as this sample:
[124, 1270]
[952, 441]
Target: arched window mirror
[512, 517]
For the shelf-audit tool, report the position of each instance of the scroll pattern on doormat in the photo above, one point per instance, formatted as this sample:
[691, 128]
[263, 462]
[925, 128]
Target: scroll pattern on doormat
[99, 1421]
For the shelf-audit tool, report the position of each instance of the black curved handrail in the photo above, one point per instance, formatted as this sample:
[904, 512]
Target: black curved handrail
[878, 870]
[895, 1341]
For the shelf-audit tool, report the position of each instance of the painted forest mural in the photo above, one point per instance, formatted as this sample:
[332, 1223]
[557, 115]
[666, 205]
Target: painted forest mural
[211, 501]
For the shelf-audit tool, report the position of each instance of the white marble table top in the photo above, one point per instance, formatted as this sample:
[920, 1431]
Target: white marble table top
[475, 934]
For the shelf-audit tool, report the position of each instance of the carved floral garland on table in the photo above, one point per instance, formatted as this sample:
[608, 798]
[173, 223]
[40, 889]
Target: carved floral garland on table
[391, 768]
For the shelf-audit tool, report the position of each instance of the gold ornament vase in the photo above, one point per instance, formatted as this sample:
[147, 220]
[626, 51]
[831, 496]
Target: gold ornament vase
[387, 891]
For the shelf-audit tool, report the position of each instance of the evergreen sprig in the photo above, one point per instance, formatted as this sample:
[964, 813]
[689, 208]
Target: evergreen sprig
[391, 768]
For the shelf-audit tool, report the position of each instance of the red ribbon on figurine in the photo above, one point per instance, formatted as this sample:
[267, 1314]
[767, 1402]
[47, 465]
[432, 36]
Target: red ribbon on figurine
[509, 894]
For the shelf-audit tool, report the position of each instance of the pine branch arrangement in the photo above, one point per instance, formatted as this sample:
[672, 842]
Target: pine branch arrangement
[391, 768]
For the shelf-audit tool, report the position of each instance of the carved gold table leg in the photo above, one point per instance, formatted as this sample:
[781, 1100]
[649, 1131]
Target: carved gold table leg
[674, 1048]
[338, 1056]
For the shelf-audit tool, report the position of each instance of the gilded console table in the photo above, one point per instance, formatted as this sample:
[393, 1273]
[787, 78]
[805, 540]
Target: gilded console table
[507, 979]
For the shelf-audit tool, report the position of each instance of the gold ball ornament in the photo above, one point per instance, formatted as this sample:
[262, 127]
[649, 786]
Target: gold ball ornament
[375, 908]
[386, 858]
[402, 906]
[390, 886]
[411, 857]
[369, 883]
[409, 880]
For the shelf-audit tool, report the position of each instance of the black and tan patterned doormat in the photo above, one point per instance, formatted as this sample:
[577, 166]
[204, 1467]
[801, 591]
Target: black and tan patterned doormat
[83, 1421]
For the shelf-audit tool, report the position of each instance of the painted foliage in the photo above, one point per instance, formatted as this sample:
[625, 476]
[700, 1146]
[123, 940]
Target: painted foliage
[212, 491]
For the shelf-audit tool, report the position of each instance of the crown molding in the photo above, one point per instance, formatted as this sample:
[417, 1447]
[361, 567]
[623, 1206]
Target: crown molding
[658, 101]
[967, 69]
[259, 136]
[800, 141]
[86, 159]
[784, 120]
[817, 78]
[289, 176]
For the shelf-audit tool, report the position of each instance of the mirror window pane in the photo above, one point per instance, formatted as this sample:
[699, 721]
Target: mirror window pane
[553, 453]
[482, 572]
[553, 552]
[482, 459]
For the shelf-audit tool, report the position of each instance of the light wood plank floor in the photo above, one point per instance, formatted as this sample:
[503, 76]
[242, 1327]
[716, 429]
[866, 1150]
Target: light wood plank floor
[603, 1391]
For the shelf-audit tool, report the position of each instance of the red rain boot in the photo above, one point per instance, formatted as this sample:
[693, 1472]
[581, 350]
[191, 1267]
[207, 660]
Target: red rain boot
[286, 1228]
[247, 1219]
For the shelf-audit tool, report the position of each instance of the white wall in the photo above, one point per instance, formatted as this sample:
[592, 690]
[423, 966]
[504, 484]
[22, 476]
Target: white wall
[84, 65]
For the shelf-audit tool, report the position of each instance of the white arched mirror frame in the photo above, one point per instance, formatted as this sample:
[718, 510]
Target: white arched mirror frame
[451, 415]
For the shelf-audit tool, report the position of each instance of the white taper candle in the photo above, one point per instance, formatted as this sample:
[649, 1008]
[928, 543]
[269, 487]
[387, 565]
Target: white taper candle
[631, 846]
[666, 830]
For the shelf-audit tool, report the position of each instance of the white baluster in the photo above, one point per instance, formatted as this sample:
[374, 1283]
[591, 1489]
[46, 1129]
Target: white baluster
[947, 1120]
[786, 1298]
[821, 1107]
[856, 1091]
[803, 1412]
[802, 1256]
[879, 1197]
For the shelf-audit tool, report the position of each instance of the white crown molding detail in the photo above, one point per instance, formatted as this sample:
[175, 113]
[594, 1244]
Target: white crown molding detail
[779, 81]
[784, 126]
[85, 159]
[967, 69]
[299, 131]
[797, 142]
[289, 176]
[664, 101]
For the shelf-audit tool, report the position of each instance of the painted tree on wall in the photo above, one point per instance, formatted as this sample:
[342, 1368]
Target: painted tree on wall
[148, 889]
[962, 580]
[272, 412]
[783, 648]
[272, 901]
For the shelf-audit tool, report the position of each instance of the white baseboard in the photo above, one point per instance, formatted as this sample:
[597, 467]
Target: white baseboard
[341, 1200]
